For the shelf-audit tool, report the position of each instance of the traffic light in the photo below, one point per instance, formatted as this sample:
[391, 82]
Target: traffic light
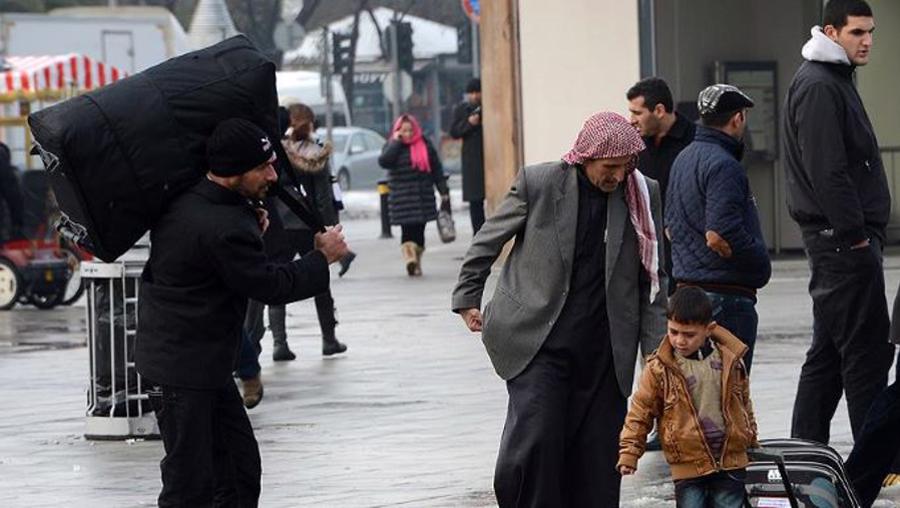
[464, 43]
[405, 46]
[340, 53]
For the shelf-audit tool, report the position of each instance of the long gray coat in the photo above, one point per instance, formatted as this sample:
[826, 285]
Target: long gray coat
[541, 212]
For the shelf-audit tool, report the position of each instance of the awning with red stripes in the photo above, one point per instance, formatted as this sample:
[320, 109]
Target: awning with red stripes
[53, 77]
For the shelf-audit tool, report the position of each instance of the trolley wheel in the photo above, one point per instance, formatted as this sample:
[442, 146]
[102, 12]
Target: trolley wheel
[10, 284]
[75, 286]
[46, 301]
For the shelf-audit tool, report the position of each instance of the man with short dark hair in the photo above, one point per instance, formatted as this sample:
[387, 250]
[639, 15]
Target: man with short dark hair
[838, 195]
[206, 260]
[711, 215]
[467, 126]
[665, 131]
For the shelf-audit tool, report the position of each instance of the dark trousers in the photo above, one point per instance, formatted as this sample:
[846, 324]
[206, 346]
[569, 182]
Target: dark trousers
[476, 214]
[718, 490]
[413, 233]
[850, 352]
[560, 442]
[212, 458]
[737, 314]
[877, 446]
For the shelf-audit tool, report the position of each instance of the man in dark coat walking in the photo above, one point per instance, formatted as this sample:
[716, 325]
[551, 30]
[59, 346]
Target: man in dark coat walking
[206, 260]
[838, 195]
[467, 126]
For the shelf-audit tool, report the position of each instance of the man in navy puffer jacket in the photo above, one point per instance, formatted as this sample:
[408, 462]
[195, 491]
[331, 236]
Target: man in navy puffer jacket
[711, 216]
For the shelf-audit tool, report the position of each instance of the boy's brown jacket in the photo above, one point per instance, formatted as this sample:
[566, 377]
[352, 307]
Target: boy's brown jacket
[663, 393]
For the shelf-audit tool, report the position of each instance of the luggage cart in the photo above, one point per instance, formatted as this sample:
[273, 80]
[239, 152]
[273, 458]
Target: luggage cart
[118, 406]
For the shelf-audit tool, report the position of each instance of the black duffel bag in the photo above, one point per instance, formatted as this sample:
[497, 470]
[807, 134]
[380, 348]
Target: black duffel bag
[116, 156]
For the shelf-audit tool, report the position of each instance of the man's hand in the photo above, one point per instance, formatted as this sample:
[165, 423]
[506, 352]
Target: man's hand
[262, 217]
[472, 318]
[475, 119]
[718, 244]
[861, 245]
[331, 243]
[626, 470]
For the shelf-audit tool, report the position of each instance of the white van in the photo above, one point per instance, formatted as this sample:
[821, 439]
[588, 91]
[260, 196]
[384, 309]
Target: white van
[306, 87]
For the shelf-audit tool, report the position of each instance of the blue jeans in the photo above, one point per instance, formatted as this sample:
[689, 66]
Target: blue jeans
[717, 490]
[248, 359]
[737, 314]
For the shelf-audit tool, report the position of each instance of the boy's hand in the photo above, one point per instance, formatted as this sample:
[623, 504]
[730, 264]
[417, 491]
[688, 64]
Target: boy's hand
[626, 470]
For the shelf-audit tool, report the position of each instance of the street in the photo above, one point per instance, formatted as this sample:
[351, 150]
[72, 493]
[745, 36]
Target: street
[411, 415]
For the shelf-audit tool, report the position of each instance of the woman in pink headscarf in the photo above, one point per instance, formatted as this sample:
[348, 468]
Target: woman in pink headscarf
[414, 171]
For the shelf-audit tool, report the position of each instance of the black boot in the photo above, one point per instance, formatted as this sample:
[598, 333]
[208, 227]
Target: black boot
[330, 344]
[282, 353]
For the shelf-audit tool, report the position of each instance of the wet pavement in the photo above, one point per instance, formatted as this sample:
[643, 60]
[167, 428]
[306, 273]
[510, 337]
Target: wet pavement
[410, 416]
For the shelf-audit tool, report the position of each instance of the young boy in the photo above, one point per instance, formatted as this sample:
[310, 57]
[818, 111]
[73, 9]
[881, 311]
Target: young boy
[696, 386]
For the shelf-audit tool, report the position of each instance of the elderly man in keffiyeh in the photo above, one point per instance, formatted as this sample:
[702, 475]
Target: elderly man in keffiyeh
[579, 294]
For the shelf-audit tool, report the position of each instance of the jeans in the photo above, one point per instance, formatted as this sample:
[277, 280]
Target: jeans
[248, 359]
[718, 490]
[737, 314]
[850, 354]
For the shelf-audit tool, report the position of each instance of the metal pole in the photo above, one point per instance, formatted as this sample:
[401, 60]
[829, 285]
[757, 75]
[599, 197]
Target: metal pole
[395, 70]
[383, 191]
[329, 93]
[476, 50]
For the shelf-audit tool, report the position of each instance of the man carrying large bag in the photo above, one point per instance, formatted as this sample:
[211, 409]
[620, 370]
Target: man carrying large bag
[185, 150]
[206, 259]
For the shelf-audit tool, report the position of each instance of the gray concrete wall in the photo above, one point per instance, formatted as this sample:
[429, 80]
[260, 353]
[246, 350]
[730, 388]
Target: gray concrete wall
[693, 34]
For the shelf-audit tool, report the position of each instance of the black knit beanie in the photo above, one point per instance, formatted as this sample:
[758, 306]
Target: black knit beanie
[237, 146]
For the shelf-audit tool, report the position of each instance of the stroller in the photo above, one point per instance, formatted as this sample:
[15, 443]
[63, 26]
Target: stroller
[795, 473]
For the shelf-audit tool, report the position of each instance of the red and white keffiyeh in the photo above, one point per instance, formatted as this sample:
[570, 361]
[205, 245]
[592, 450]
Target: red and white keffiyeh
[607, 135]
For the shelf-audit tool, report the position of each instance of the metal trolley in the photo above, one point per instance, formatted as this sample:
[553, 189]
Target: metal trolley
[118, 406]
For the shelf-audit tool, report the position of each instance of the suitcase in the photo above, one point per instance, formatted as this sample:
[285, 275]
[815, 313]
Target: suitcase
[793, 473]
[116, 156]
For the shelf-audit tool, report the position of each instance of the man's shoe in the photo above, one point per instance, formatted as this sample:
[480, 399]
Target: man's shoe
[345, 263]
[253, 391]
[282, 353]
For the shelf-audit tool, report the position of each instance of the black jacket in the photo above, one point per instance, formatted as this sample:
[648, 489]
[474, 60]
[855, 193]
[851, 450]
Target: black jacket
[411, 198]
[472, 151]
[835, 177]
[206, 260]
[656, 161]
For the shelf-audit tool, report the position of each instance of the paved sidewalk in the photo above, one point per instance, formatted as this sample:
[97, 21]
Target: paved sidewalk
[410, 416]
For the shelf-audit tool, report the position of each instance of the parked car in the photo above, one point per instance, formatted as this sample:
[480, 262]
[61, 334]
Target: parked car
[355, 159]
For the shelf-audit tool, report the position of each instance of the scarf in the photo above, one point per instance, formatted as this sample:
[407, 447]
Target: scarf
[607, 135]
[418, 150]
